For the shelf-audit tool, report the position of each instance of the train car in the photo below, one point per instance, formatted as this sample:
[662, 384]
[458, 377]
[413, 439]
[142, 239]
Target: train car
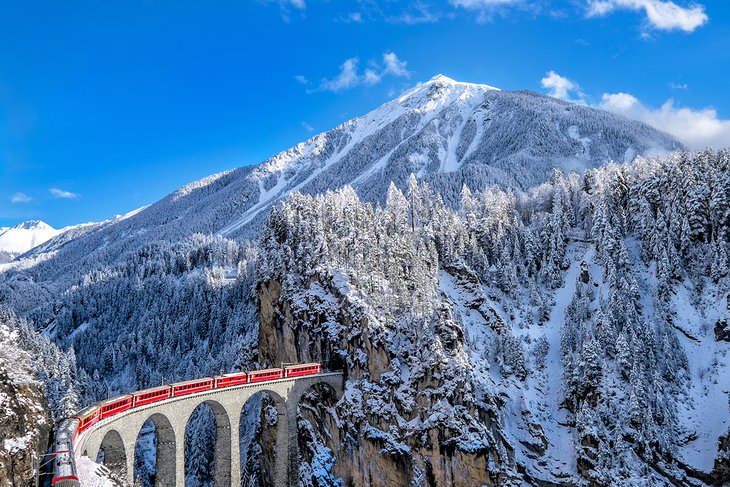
[192, 386]
[116, 405]
[64, 466]
[64, 470]
[264, 375]
[86, 417]
[234, 379]
[65, 435]
[302, 369]
[153, 394]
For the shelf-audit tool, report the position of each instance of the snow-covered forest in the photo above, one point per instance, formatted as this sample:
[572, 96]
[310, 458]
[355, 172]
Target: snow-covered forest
[491, 329]
[582, 308]
[563, 333]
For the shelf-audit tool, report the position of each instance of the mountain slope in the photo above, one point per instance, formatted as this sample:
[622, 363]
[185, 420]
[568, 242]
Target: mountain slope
[446, 132]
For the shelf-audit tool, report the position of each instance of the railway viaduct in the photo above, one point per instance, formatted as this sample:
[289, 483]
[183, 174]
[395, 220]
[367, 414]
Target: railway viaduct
[117, 435]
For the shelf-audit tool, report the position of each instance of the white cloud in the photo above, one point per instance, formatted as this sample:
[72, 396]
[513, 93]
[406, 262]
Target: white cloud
[60, 193]
[395, 66]
[355, 17]
[661, 14]
[481, 4]
[560, 86]
[418, 13]
[301, 79]
[307, 127]
[349, 76]
[285, 7]
[619, 102]
[697, 129]
[20, 198]
[371, 77]
[486, 8]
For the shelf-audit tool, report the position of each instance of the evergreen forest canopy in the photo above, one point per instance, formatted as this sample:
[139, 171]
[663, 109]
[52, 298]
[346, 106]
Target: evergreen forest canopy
[644, 235]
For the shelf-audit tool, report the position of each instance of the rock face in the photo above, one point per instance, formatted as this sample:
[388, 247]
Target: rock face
[24, 419]
[372, 446]
[721, 471]
[487, 347]
[722, 331]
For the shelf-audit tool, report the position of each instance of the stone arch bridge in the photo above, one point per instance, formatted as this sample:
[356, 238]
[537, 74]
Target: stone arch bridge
[117, 435]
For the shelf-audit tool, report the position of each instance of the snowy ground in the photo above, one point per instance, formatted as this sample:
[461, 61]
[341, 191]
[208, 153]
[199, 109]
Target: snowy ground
[707, 412]
[545, 388]
[93, 474]
[538, 399]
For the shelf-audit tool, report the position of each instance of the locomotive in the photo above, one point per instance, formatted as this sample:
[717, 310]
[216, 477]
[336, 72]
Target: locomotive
[64, 465]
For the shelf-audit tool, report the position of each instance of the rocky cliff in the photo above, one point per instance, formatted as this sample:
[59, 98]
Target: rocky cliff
[386, 431]
[24, 418]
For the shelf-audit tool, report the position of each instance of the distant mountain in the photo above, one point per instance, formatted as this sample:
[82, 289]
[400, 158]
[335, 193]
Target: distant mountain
[23, 237]
[446, 132]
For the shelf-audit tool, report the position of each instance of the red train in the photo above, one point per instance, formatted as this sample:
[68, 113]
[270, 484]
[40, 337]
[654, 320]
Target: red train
[64, 474]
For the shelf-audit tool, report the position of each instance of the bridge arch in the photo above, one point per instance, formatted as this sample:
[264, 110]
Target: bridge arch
[274, 432]
[223, 440]
[324, 394]
[112, 454]
[165, 448]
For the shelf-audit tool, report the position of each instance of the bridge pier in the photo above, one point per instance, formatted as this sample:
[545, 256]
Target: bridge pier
[129, 453]
[180, 456]
[166, 451]
[223, 441]
[290, 445]
[235, 456]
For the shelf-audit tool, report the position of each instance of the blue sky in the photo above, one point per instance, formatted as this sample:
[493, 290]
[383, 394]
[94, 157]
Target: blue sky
[107, 106]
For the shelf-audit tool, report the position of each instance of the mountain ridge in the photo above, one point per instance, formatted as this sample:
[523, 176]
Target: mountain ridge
[447, 133]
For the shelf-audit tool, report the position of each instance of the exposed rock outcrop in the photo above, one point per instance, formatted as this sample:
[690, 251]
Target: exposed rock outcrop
[24, 419]
[429, 430]
[721, 470]
[722, 331]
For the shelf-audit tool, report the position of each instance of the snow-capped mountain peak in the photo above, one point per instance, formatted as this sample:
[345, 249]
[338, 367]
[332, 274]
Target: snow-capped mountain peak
[446, 132]
[441, 79]
[446, 126]
[23, 237]
[33, 225]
